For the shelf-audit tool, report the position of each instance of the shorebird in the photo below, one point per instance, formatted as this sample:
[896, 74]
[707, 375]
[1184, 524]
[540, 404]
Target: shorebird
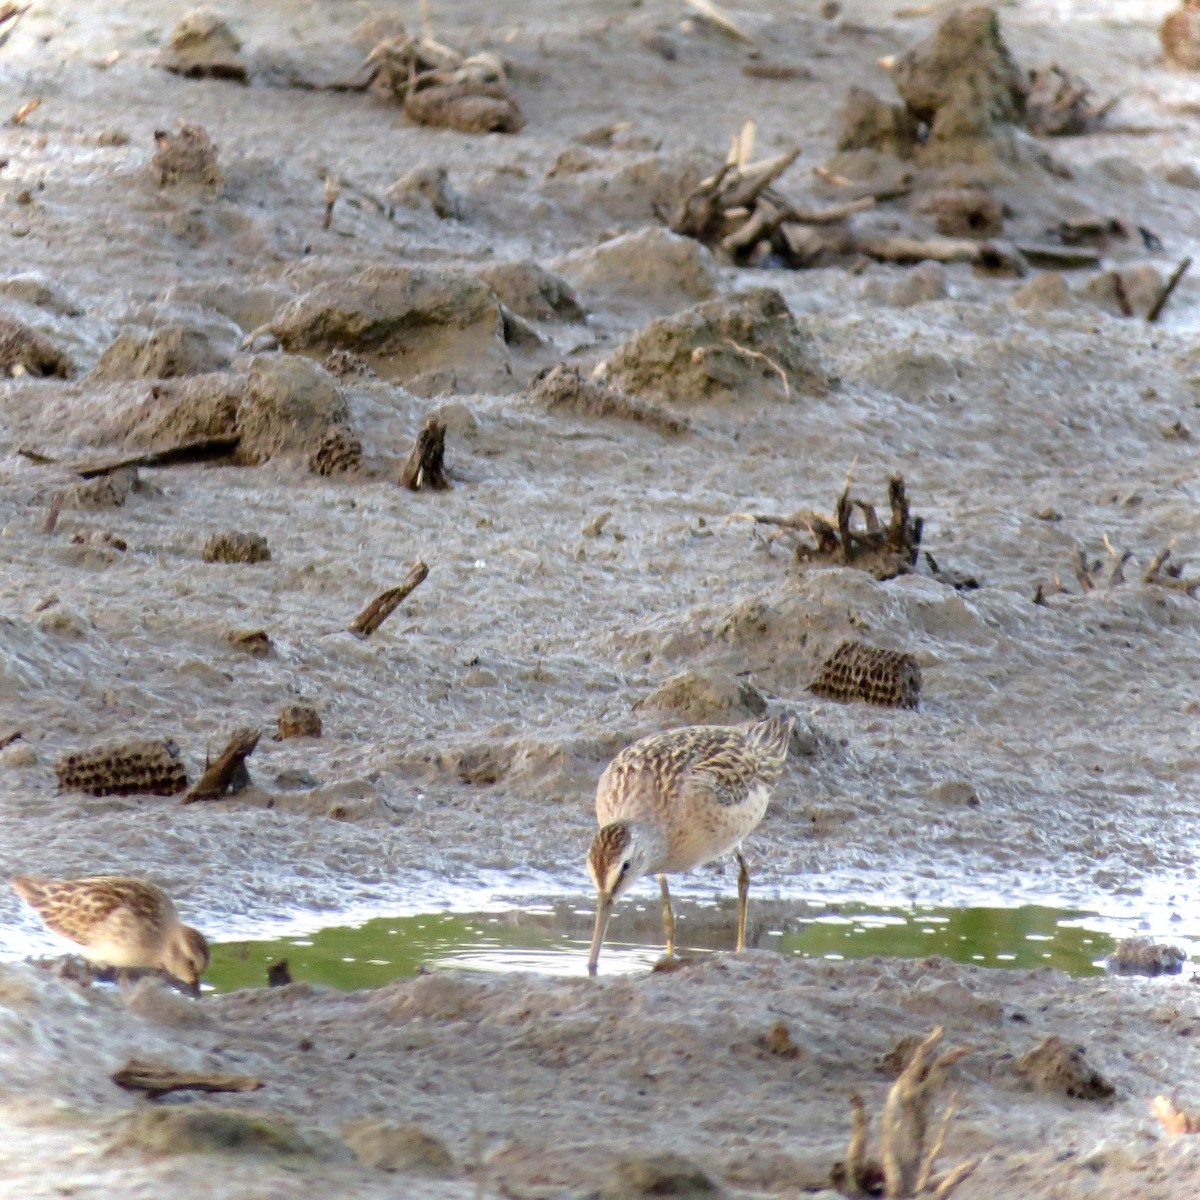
[677, 799]
[119, 922]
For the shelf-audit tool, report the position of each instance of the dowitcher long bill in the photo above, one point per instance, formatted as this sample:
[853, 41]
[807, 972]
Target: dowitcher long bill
[675, 800]
[119, 922]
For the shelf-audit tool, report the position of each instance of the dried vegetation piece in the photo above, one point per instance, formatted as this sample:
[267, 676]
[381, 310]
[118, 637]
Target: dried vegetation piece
[1060, 104]
[438, 86]
[1055, 1066]
[202, 46]
[425, 466]
[387, 602]
[229, 773]
[883, 550]
[156, 1079]
[298, 720]
[909, 1144]
[1180, 36]
[855, 671]
[24, 351]
[186, 157]
[1144, 956]
[146, 766]
[1174, 1120]
[236, 547]
[10, 17]
[563, 389]
[338, 453]
[1091, 573]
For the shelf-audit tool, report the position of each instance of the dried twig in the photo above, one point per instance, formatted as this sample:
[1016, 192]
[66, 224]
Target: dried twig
[56, 503]
[157, 1080]
[787, 391]
[333, 189]
[228, 774]
[385, 604]
[10, 18]
[25, 111]
[1169, 287]
[719, 17]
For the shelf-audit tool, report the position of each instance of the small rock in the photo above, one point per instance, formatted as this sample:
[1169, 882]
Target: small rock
[200, 1129]
[202, 46]
[706, 697]
[18, 755]
[256, 642]
[1046, 290]
[664, 1174]
[1055, 1066]
[164, 353]
[407, 1148]
[299, 720]
[1182, 175]
[187, 157]
[1143, 956]
[954, 793]
[865, 122]
[236, 548]
[1180, 37]
[24, 351]
[287, 407]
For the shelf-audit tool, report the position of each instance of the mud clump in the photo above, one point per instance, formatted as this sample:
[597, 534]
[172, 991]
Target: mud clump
[406, 1148]
[186, 157]
[533, 292]
[563, 389]
[339, 453]
[24, 351]
[299, 720]
[865, 122]
[1143, 956]
[706, 697]
[236, 548]
[105, 491]
[199, 412]
[742, 347]
[427, 186]
[961, 212]
[1057, 1067]
[287, 406]
[665, 1174]
[202, 46]
[406, 316]
[1180, 37]
[165, 353]
[200, 1129]
[855, 671]
[1046, 290]
[149, 766]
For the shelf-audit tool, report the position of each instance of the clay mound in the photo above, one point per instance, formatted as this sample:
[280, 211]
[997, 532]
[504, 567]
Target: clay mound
[1056, 1067]
[742, 347]
[855, 671]
[202, 46]
[151, 766]
[165, 353]
[706, 697]
[563, 389]
[533, 292]
[196, 413]
[405, 317]
[24, 351]
[287, 407]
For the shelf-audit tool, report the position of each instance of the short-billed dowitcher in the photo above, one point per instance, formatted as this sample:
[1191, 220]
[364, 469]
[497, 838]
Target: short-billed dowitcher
[119, 922]
[677, 799]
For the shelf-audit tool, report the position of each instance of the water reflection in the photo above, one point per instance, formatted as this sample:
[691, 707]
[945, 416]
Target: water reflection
[553, 939]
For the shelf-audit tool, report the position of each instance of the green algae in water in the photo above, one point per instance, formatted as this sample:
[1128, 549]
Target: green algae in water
[555, 941]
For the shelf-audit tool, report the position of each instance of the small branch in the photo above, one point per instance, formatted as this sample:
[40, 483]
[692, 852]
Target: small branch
[424, 466]
[1157, 307]
[56, 503]
[157, 1080]
[332, 191]
[719, 17]
[948, 1184]
[385, 604]
[228, 774]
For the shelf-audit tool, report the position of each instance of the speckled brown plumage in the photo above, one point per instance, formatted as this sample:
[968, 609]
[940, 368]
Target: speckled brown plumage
[118, 921]
[855, 671]
[674, 800]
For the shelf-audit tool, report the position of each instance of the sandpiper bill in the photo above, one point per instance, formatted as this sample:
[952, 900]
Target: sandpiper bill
[675, 800]
[119, 922]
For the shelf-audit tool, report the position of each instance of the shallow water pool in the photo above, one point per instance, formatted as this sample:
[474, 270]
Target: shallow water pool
[552, 938]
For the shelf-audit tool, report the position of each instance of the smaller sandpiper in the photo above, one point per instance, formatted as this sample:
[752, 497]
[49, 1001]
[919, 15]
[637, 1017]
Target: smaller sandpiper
[677, 799]
[119, 922]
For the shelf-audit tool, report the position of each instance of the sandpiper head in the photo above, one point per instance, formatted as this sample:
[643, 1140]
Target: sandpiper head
[185, 955]
[619, 855]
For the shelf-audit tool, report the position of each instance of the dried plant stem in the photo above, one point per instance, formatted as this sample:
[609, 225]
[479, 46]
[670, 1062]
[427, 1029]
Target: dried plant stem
[385, 604]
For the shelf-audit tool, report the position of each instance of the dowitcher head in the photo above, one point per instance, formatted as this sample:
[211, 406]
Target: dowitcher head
[185, 955]
[620, 853]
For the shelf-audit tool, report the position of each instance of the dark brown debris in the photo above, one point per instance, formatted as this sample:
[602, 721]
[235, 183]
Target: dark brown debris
[1060, 104]
[855, 671]
[158, 1080]
[424, 466]
[1144, 956]
[147, 766]
[1054, 1066]
[228, 774]
[386, 603]
[339, 453]
[279, 974]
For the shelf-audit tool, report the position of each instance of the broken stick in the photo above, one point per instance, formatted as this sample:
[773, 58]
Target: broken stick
[1157, 307]
[424, 467]
[228, 774]
[384, 605]
[157, 1080]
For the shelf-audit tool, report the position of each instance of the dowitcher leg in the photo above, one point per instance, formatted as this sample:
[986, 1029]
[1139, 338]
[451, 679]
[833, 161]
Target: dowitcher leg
[668, 916]
[743, 895]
